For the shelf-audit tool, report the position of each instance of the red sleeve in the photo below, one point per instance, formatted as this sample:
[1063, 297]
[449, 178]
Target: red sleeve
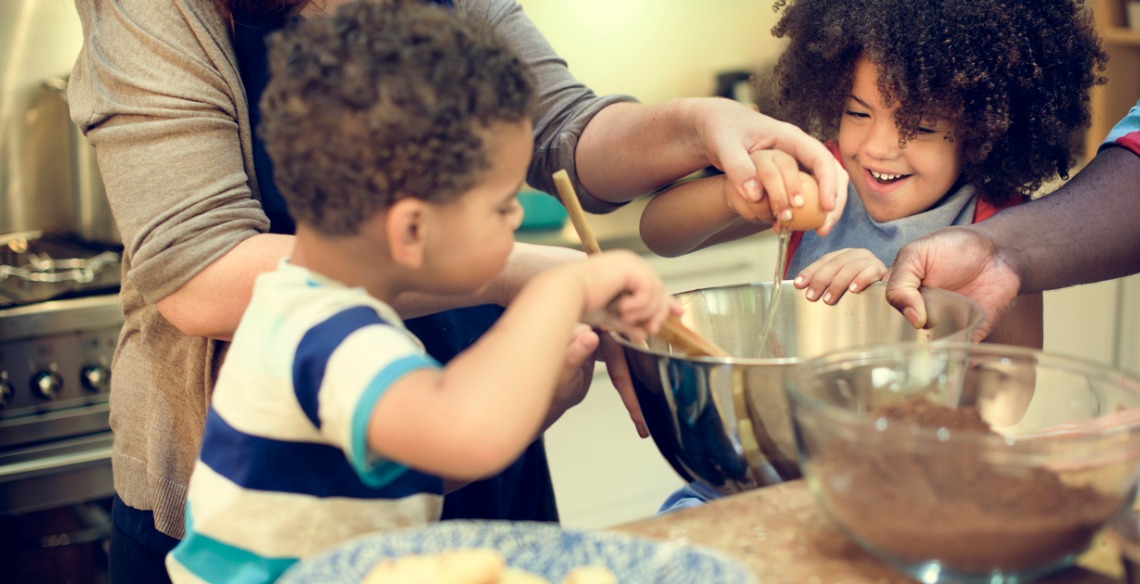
[833, 147]
[985, 209]
[1131, 141]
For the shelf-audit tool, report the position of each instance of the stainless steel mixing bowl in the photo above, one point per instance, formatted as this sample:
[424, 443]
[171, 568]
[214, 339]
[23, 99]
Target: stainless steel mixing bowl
[725, 423]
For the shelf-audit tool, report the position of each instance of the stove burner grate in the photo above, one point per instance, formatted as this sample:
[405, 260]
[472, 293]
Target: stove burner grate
[37, 266]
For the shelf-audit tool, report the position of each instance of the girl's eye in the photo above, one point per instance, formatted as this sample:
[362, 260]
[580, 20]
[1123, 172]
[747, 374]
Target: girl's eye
[856, 114]
[924, 130]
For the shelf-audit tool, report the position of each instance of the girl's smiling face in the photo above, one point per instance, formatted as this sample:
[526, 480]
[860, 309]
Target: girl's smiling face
[893, 182]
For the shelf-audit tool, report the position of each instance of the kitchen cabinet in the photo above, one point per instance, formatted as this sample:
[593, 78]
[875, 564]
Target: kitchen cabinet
[1122, 43]
[1081, 321]
[1128, 325]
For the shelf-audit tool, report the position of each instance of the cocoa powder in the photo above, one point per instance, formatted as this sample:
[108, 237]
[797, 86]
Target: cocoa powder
[971, 515]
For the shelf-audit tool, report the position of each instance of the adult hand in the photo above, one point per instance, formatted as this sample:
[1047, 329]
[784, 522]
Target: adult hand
[577, 373]
[960, 259]
[730, 132]
[618, 369]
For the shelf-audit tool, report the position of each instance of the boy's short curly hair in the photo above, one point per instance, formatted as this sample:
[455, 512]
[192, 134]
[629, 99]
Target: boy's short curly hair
[1011, 76]
[385, 99]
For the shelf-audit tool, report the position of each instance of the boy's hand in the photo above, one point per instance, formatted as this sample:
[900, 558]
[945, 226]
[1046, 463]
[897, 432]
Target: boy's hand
[845, 270]
[623, 292]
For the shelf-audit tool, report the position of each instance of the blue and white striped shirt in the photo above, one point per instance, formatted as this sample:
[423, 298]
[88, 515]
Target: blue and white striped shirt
[284, 471]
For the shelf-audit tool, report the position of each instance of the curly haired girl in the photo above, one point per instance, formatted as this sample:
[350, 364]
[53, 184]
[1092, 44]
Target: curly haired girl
[942, 112]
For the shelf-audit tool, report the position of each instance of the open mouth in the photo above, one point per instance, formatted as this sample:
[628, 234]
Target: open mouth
[886, 179]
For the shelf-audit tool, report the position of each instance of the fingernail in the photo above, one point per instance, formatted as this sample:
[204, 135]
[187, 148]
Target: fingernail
[827, 298]
[810, 294]
[752, 191]
[799, 280]
[786, 215]
[798, 201]
[853, 287]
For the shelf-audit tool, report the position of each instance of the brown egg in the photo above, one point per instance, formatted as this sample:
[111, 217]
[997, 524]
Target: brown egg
[811, 215]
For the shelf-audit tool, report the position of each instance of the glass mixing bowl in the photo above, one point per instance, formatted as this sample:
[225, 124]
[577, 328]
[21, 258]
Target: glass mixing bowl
[962, 462]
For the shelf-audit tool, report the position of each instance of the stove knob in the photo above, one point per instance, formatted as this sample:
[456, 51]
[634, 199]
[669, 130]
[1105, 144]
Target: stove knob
[46, 384]
[95, 378]
[6, 393]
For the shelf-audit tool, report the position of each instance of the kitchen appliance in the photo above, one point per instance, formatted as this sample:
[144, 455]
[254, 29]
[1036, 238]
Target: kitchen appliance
[59, 310]
[724, 422]
[59, 324]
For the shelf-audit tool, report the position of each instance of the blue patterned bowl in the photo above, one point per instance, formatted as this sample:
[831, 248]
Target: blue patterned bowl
[541, 548]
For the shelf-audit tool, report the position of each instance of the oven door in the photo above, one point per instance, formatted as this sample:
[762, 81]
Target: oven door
[55, 474]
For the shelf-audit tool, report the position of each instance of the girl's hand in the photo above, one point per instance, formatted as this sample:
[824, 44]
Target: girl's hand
[845, 270]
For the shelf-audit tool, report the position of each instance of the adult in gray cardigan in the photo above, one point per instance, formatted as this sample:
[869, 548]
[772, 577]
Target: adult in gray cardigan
[167, 94]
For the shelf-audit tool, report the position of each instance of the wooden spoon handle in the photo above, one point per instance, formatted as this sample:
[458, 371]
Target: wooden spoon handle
[673, 331]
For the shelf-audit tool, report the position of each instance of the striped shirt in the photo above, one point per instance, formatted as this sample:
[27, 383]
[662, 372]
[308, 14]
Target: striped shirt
[284, 471]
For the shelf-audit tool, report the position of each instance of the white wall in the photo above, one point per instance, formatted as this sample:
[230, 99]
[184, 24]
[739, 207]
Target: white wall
[657, 49]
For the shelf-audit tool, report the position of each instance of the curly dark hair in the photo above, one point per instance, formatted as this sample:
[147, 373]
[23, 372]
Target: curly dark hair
[383, 100]
[1011, 76]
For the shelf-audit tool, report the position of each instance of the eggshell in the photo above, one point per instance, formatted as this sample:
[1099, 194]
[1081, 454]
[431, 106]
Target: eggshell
[811, 215]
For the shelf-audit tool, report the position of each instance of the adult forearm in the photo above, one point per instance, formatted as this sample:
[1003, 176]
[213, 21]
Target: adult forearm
[211, 303]
[629, 149]
[1086, 231]
[526, 261]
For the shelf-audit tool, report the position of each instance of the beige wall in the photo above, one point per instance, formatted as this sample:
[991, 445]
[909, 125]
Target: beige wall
[656, 49]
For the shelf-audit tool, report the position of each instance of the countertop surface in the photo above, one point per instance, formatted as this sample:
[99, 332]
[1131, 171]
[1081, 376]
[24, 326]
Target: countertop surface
[782, 534]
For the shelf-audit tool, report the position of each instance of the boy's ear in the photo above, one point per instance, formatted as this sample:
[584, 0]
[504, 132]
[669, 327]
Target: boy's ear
[407, 232]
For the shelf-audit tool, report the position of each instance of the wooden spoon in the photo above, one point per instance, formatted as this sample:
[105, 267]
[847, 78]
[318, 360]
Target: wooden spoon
[672, 330]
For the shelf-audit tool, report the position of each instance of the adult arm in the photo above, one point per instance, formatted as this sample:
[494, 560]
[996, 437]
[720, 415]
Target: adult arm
[175, 154]
[615, 149]
[1086, 231]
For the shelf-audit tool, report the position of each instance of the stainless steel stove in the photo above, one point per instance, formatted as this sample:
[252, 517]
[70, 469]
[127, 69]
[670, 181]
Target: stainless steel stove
[59, 324]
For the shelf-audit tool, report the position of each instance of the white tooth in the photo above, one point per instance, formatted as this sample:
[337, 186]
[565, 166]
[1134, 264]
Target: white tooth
[885, 176]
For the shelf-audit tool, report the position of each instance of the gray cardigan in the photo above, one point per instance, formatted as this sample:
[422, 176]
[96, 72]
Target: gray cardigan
[157, 91]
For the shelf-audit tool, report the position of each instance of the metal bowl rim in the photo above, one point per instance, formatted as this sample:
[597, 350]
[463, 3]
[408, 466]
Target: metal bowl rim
[976, 309]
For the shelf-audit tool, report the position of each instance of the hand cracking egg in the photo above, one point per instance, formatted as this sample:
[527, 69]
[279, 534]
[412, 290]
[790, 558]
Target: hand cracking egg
[811, 216]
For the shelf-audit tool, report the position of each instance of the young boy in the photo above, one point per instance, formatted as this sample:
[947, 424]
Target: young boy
[400, 135]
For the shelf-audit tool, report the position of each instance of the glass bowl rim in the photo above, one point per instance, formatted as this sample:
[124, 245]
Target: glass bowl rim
[1052, 446]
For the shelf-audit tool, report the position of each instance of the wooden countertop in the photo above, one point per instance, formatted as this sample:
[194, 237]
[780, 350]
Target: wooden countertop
[782, 534]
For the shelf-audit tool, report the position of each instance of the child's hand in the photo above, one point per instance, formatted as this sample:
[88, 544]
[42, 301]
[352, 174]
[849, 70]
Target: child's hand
[778, 186]
[851, 269]
[623, 292]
